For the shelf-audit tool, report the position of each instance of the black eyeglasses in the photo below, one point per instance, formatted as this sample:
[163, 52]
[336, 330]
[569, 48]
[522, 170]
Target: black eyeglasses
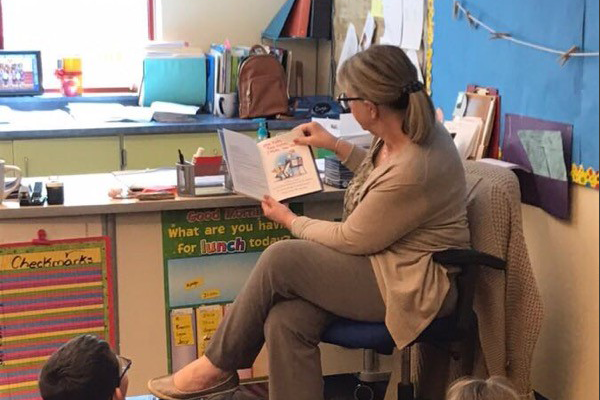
[344, 101]
[125, 364]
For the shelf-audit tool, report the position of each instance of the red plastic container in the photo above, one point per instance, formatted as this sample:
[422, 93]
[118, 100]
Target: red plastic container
[207, 166]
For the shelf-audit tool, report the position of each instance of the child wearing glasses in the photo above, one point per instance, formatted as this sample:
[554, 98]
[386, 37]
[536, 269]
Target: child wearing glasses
[85, 368]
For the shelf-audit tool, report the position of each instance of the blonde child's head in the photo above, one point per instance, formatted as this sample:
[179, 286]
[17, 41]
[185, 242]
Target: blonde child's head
[494, 388]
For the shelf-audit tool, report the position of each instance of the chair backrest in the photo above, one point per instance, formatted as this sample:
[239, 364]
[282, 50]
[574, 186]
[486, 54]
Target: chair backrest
[508, 304]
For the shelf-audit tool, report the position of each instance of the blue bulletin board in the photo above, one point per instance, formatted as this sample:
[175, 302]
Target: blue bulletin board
[531, 82]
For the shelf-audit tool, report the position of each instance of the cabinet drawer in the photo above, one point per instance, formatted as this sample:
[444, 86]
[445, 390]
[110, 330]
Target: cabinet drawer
[6, 151]
[156, 151]
[67, 156]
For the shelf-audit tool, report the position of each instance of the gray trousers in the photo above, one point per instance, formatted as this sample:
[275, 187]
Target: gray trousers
[296, 289]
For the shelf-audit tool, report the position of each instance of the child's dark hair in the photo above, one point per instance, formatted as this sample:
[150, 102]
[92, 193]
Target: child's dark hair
[494, 388]
[85, 368]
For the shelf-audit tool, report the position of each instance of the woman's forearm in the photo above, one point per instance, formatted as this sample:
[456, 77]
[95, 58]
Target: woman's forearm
[342, 149]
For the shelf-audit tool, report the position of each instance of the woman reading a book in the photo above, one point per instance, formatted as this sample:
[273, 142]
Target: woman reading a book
[407, 200]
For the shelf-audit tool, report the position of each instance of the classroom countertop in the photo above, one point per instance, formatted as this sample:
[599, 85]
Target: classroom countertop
[88, 195]
[201, 123]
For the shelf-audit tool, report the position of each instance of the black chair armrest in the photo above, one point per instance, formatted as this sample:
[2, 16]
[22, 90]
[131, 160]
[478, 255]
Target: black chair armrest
[467, 257]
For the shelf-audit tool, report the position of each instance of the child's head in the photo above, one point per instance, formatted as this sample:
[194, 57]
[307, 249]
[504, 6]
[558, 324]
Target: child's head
[494, 388]
[85, 368]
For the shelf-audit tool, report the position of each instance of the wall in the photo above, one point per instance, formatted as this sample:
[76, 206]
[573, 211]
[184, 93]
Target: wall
[565, 262]
[564, 255]
[202, 22]
[531, 82]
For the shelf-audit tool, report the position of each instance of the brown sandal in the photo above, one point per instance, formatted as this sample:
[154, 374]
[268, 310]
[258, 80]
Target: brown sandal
[164, 388]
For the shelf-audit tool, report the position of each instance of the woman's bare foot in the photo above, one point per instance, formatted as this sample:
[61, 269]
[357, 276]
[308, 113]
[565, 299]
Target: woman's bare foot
[199, 375]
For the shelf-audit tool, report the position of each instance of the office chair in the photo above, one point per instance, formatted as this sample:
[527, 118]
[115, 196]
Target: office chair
[451, 331]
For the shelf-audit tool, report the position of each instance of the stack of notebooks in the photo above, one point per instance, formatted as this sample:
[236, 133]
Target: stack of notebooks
[222, 66]
[336, 174]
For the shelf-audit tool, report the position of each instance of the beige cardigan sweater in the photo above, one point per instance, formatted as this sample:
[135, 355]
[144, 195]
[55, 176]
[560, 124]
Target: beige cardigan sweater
[508, 304]
[408, 208]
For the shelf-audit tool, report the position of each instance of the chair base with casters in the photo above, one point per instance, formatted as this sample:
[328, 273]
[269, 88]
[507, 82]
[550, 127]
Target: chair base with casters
[450, 332]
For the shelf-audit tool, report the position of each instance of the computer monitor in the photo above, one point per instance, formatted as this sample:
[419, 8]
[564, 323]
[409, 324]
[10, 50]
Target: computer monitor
[20, 73]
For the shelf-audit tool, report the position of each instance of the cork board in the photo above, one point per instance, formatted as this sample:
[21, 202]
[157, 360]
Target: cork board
[356, 11]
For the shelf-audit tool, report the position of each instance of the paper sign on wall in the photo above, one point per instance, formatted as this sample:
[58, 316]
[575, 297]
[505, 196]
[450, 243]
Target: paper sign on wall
[377, 8]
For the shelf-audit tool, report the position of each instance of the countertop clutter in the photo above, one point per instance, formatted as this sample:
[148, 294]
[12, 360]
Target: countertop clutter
[56, 126]
[48, 116]
[88, 195]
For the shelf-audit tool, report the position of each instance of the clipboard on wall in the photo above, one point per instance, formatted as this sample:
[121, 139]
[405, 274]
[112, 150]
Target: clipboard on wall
[493, 149]
[481, 106]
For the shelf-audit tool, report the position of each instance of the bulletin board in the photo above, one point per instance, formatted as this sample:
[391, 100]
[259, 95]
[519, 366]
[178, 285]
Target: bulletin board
[49, 293]
[356, 11]
[532, 83]
[209, 254]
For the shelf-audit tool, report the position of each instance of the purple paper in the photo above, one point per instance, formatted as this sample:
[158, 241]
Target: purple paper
[552, 195]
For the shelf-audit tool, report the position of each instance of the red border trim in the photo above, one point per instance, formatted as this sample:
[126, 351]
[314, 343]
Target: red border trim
[110, 287]
[59, 241]
[151, 15]
[1, 28]
[100, 90]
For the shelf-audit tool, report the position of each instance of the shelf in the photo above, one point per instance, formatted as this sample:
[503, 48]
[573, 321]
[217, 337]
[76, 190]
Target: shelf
[290, 39]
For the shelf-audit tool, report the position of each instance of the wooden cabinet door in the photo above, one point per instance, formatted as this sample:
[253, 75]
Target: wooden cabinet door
[6, 151]
[67, 156]
[156, 151]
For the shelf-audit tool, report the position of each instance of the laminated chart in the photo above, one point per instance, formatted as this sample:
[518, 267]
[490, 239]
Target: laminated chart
[208, 256]
[50, 292]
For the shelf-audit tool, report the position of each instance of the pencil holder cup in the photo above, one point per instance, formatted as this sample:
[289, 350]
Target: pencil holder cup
[227, 181]
[185, 180]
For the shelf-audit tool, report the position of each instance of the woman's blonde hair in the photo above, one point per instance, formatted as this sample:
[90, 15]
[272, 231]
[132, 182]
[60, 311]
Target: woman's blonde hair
[386, 76]
[494, 388]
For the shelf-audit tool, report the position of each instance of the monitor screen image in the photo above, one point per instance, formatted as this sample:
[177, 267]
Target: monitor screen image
[20, 73]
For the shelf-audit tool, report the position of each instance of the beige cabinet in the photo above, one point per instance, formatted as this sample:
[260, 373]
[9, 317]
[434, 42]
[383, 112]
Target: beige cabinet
[67, 156]
[6, 151]
[73, 156]
[155, 151]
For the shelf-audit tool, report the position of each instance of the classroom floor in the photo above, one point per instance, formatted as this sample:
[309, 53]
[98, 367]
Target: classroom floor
[337, 387]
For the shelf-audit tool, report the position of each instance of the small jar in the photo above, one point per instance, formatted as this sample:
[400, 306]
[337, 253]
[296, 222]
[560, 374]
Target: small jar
[55, 192]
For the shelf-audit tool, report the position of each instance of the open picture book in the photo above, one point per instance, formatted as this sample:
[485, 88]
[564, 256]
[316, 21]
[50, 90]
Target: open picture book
[274, 166]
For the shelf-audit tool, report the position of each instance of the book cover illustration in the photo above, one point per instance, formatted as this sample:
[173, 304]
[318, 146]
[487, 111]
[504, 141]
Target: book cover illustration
[288, 164]
[290, 168]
